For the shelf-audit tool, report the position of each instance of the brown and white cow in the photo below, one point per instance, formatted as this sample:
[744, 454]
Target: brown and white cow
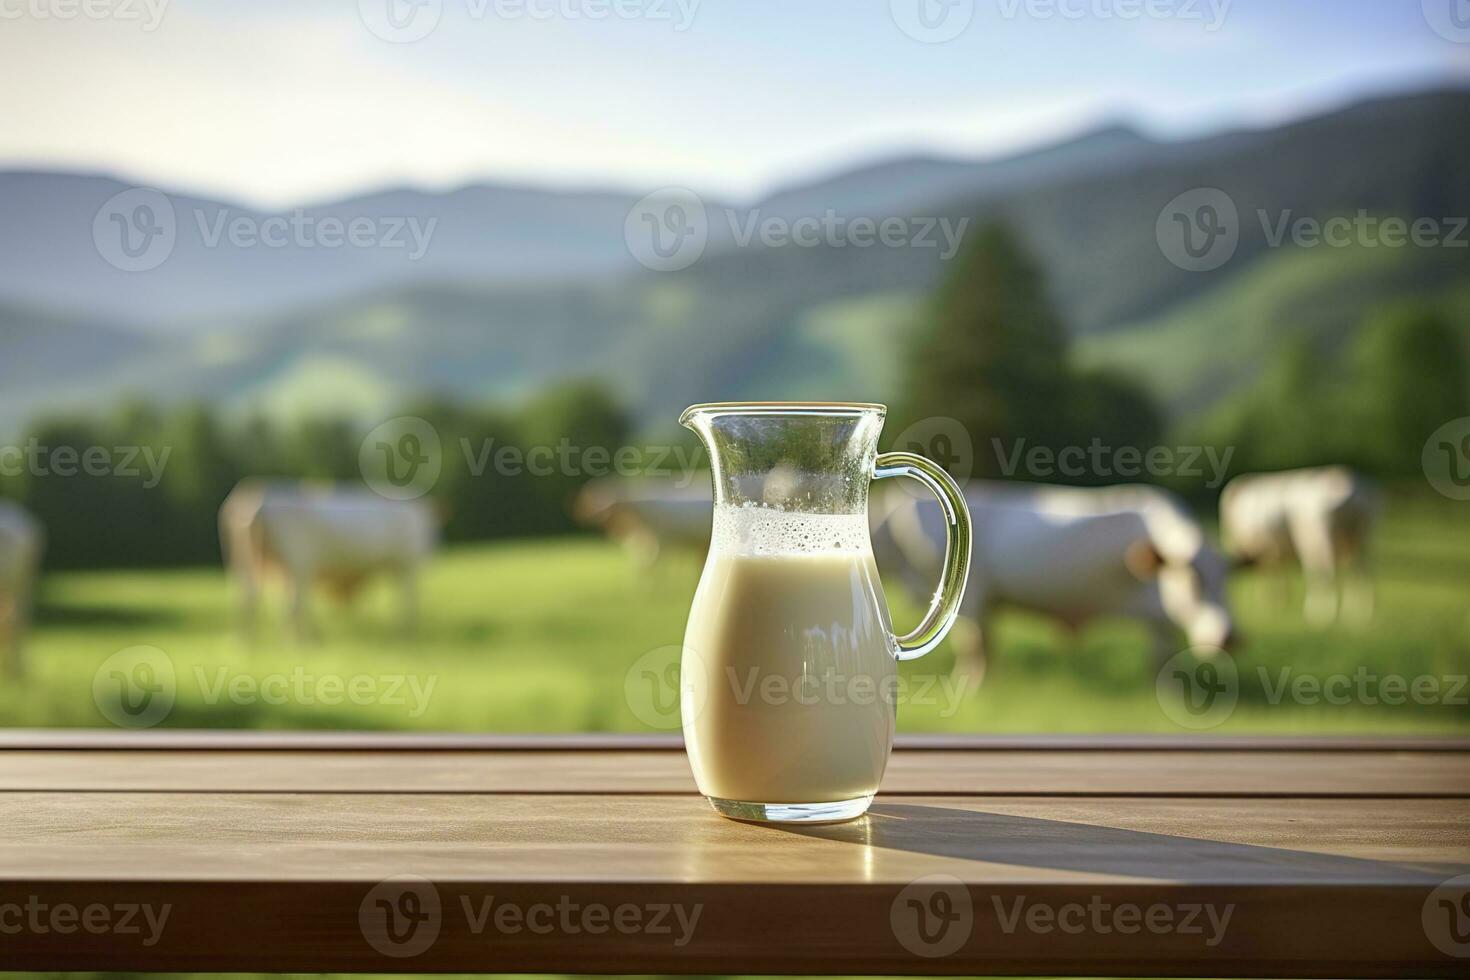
[648, 517]
[338, 537]
[21, 543]
[1322, 518]
[1072, 554]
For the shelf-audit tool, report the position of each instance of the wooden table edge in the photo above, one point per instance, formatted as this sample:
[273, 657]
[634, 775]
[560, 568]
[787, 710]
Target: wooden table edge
[201, 740]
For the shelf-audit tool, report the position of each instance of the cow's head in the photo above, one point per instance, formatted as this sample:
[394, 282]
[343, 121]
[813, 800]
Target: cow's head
[1191, 590]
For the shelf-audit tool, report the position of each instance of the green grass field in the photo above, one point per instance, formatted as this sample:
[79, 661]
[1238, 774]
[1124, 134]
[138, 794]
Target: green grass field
[540, 636]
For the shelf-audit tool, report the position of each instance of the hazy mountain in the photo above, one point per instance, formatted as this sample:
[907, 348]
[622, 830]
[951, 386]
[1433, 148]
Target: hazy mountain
[780, 322]
[57, 252]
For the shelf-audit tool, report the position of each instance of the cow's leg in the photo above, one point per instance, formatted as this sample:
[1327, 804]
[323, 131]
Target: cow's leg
[409, 586]
[20, 627]
[1312, 541]
[10, 632]
[971, 640]
[1357, 577]
[302, 579]
[1165, 642]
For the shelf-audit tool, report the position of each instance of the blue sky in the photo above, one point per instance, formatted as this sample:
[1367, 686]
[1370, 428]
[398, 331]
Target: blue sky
[285, 102]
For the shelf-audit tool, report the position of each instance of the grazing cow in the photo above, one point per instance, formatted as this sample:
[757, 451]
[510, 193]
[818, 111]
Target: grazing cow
[1322, 518]
[648, 516]
[21, 541]
[1070, 553]
[320, 534]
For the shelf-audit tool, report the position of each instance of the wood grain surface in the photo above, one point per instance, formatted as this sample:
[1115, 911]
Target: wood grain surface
[1264, 859]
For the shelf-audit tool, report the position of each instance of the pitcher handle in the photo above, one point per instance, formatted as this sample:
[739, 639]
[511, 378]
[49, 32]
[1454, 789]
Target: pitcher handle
[944, 606]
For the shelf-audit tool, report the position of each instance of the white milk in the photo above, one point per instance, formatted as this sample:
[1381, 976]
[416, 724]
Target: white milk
[788, 673]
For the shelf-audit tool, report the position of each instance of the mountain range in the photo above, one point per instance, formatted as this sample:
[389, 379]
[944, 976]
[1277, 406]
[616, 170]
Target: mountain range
[517, 286]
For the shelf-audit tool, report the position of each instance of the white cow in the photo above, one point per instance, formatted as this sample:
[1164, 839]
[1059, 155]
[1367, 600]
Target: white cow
[21, 542]
[1073, 554]
[1322, 518]
[335, 536]
[648, 516]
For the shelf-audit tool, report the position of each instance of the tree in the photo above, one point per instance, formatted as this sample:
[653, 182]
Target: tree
[992, 354]
[1409, 375]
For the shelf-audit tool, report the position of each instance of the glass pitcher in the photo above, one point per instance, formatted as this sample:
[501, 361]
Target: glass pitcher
[788, 679]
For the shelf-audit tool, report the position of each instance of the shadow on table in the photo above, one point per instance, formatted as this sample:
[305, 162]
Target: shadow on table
[953, 832]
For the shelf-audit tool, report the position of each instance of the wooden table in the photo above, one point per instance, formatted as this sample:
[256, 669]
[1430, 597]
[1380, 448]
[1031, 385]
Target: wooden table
[1097, 856]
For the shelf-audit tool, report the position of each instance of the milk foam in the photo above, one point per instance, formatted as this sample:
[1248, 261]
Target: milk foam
[749, 529]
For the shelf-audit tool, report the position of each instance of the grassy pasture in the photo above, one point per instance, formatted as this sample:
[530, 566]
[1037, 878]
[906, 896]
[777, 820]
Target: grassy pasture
[540, 636]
